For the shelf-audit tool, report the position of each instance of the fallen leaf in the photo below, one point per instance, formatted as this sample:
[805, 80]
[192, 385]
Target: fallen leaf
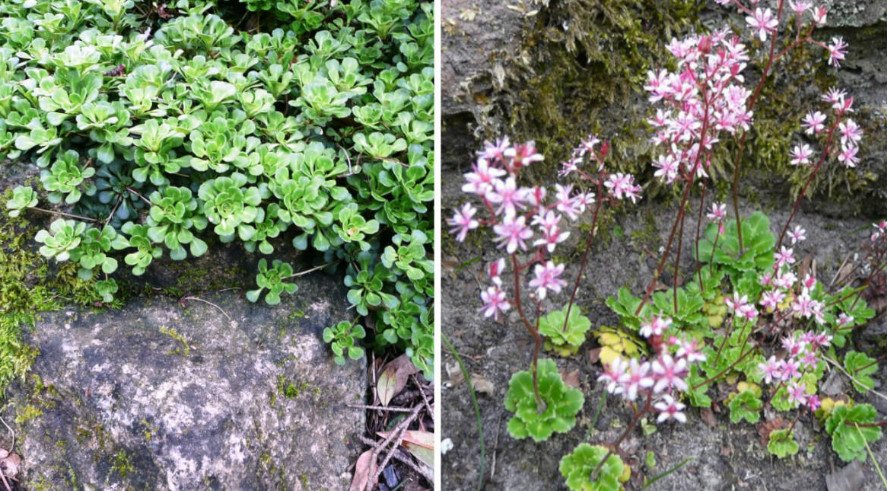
[418, 443]
[766, 427]
[394, 378]
[482, 385]
[571, 378]
[363, 469]
[594, 355]
[708, 417]
[454, 373]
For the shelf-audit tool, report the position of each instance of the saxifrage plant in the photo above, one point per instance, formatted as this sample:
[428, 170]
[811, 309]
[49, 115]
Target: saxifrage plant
[748, 315]
[175, 128]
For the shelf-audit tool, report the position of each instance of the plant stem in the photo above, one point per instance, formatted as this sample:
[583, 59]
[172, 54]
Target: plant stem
[740, 151]
[51, 212]
[534, 331]
[648, 405]
[584, 261]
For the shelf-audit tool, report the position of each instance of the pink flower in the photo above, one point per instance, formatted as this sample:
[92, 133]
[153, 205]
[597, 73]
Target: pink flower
[800, 6]
[836, 51]
[789, 370]
[613, 374]
[771, 369]
[815, 122]
[495, 270]
[796, 394]
[809, 359]
[655, 326]
[635, 379]
[509, 196]
[844, 319]
[798, 234]
[880, 230]
[848, 156]
[850, 132]
[495, 302]
[480, 180]
[819, 15]
[669, 408]
[622, 186]
[793, 346]
[771, 300]
[495, 151]
[813, 402]
[463, 221]
[785, 256]
[512, 233]
[551, 237]
[547, 278]
[763, 22]
[801, 154]
[689, 349]
[669, 373]
[785, 280]
[522, 155]
[736, 303]
[718, 212]
[666, 168]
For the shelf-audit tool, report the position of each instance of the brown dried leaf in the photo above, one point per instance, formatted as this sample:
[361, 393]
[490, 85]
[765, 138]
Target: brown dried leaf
[571, 378]
[363, 469]
[394, 378]
[418, 443]
[708, 417]
[766, 427]
[483, 385]
[9, 464]
[454, 373]
[594, 355]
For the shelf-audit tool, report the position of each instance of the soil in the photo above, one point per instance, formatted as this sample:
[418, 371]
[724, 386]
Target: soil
[722, 456]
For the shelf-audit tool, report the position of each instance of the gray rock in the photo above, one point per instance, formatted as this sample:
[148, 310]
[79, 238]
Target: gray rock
[850, 478]
[170, 395]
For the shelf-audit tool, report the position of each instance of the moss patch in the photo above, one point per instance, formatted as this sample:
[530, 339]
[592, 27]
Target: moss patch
[29, 284]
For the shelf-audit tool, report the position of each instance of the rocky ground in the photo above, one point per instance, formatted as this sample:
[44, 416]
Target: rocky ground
[204, 392]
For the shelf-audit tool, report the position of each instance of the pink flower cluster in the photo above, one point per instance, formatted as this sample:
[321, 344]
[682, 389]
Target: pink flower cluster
[662, 379]
[703, 97]
[849, 132]
[801, 356]
[531, 220]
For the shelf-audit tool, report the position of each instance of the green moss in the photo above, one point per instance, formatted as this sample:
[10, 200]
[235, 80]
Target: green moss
[183, 347]
[27, 413]
[29, 284]
[293, 389]
[303, 478]
[121, 464]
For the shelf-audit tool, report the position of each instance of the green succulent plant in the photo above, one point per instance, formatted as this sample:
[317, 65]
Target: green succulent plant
[273, 280]
[578, 465]
[65, 179]
[158, 128]
[564, 338]
[23, 197]
[230, 205]
[172, 220]
[561, 403]
[342, 339]
[61, 240]
[782, 443]
[851, 429]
